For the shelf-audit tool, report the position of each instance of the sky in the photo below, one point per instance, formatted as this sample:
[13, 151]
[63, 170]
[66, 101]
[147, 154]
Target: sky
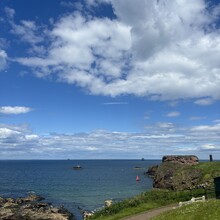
[109, 79]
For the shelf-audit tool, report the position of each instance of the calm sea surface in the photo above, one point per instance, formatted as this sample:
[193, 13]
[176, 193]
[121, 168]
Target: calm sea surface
[88, 188]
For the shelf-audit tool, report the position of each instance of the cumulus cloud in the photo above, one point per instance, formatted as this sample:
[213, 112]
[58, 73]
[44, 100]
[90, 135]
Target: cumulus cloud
[157, 140]
[27, 31]
[6, 133]
[164, 50]
[14, 110]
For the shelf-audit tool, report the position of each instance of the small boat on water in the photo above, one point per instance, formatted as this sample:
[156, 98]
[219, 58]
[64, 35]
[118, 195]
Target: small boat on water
[139, 168]
[77, 167]
[138, 178]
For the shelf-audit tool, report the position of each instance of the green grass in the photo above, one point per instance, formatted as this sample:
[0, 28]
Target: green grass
[209, 169]
[157, 198]
[127, 212]
[143, 202]
[212, 168]
[208, 210]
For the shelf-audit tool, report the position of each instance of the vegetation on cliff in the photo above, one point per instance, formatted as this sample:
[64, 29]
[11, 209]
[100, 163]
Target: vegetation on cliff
[173, 175]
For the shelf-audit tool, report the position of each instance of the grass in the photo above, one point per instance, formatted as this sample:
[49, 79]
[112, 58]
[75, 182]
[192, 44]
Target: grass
[209, 169]
[143, 202]
[157, 198]
[127, 212]
[208, 210]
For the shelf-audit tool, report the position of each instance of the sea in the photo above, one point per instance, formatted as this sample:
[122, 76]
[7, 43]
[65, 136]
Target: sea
[76, 190]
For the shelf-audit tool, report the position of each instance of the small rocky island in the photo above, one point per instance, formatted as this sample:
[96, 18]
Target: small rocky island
[31, 208]
[178, 173]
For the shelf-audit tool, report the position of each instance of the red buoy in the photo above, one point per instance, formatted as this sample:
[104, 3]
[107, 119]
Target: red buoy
[138, 178]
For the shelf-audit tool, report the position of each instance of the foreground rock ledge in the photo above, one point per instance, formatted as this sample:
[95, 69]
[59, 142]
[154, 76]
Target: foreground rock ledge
[31, 208]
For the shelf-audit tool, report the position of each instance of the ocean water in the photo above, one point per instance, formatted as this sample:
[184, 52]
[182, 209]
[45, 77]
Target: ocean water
[88, 188]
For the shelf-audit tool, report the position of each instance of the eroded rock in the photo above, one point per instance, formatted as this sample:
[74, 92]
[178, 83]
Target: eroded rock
[176, 173]
[29, 208]
[181, 159]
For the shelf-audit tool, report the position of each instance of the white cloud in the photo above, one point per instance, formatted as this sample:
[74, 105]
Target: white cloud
[207, 128]
[115, 103]
[31, 137]
[84, 52]
[14, 110]
[194, 118]
[10, 12]
[173, 114]
[96, 2]
[159, 139]
[3, 59]
[217, 121]
[6, 132]
[27, 31]
[204, 101]
[164, 50]
[210, 147]
[68, 4]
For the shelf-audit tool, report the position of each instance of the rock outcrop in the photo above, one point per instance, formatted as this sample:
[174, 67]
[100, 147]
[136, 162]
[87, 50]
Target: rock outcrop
[175, 173]
[152, 171]
[31, 208]
[189, 160]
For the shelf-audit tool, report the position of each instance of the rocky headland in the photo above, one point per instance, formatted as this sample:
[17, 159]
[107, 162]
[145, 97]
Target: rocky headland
[177, 172]
[31, 208]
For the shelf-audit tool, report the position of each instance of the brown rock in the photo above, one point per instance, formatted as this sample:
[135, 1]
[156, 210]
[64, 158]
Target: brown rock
[152, 171]
[29, 208]
[175, 173]
[182, 159]
[33, 198]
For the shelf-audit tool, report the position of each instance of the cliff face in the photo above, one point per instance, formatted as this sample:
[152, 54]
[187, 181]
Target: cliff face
[176, 173]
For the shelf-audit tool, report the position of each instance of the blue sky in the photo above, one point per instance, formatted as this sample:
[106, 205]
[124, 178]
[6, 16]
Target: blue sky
[110, 79]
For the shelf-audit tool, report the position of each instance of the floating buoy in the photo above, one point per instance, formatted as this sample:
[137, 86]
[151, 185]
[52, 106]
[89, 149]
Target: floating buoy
[138, 178]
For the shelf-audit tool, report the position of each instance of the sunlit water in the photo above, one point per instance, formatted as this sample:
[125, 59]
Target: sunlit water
[87, 188]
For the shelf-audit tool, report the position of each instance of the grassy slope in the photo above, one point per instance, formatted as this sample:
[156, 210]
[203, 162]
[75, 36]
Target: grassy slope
[208, 210]
[209, 169]
[145, 201]
[157, 198]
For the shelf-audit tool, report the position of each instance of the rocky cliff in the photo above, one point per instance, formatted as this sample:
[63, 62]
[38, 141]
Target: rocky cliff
[177, 173]
[181, 159]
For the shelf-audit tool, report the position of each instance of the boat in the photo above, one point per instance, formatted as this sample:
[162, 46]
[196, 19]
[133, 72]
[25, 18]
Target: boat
[138, 178]
[77, 167]
[137, 168]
